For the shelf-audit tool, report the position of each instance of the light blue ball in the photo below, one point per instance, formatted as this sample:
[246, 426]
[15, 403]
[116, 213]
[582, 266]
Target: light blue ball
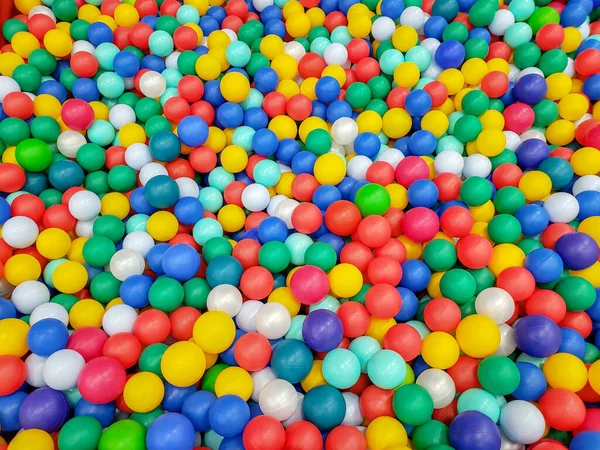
[188, 14]
[219, 178]
[364, 347]
[161, 43]
[295, 331]
[390, 59]
[105, 54]
[101, 132]
[420, 56]
[172, 77]
[254, 100]
[242, 136]
[518, 34]
[267, 173]
[137, 222]
[297, 243]
[341, 368]
[386, 369]
[211, 199]
[479, 400]
[206, 229]
[111, 85]
[238, 54]
[319, 45]
[329, 302]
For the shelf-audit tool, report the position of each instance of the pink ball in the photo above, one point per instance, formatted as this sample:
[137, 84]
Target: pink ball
[420, 224]
[77, 114]
[518, 117]
[309, 285]
[411, 169]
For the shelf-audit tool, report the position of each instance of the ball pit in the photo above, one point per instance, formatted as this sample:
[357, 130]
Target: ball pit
[299, 225]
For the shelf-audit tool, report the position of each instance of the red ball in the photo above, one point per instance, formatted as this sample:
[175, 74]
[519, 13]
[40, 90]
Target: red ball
[587, 63]
[115, 156]
[233, 23]
[384, 270]
[180, 168]
[411, 169]
[464, 373]
[58, 216]
[303, 187]
[237, 8]
[546, 303]
[357, 254]
[84, 64]
[392, 249]
[6, 251]
[507, 175]
[203, 159]
[442, 314]
[447, 414]
[383, 300]
[335, 19]
[342, 217]
[550, 36]
[495, 84]
[396, 97]
[404, 340]
[380, 172]
[376, 402]
[146, 7]
[264, 433]
[562, 409]
[185, 38]
[547, 444]
[438, 93]
[246, 252]
[355, 319]
[182, 322]
[474, 251]
[169, 8]
[40, 24]
[102, 380]
[252, 162]
[152, 326]
[518, 117]
[498, 49]
[394, 216]
[254, 219]
[176, 108]
[204, 110]
[256, 283]
[140, 33]
[345, 437]
[357, 50]
[124, 347]
[303, 435]
[554, 232]
[518, 282]
[12, 374]
[448, 185]
[299, 107]
[366, 68]
[583, 129]
[420, 224]
[12, 178]
[275, 104]
[190, 88]
[374, 231]
[88, 342]
[252, 351]
[18, 104]
[591, 422]
[311, 65]
[579, 321]
[307, 218]
[456, 221]
[28, 205]
[233, 193]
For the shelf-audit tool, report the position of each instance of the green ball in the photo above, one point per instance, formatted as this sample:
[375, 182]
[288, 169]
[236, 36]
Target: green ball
[412, 404]
[97, 182]
[468, 309]
[362, 294]
[28, 77]
[476, 48]
[498, 375]
[217, 246]
[318, 141]
[439, 255]
[105, 287]
[168, 24]
[508, 200]
[456, 31]
[65, 10]
[553, 61]
[458, 285]
[467, 128]
[79, 30]
[431, 433]
[68, 78]
[504, 229]
[13, 130]
[527, 55]
[147, 108]
[543, 16]
[33, 155]
[121, 178]
[592, 354]
[110, 226]
[372, 200]
[475, 191]
[12, 27]
[321, 255]
[195, 293]
[482, 12]
[80, 433]
[98, 250]
[506, 157]
[123, 435]
[529, 245]
[166, 294]
[209, 378]
[150, 358]
[91, 157]
[475, 103]
[251, 31]
[578, 293]
[275, 256]
[67, 301]
[146, 419]
[51, 197]
[45, 128]
[358, 95]
[484, 278]
[379, 86]
[546, 112]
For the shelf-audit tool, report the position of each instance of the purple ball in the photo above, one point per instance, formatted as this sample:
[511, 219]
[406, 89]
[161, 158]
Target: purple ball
[45, 409]
[530, 89]
[577, 250]
[322, 330]
[472, 430]
[531, 153]
[538, 336]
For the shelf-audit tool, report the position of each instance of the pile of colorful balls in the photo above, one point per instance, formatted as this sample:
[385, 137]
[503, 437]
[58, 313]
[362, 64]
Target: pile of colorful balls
[300, 225]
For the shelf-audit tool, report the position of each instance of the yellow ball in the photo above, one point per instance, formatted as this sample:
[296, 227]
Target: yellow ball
[573, 106]
[143, 392]
[316, 16]
[398, 195]
[183, 364]
[100, 110]
[9, 62]
[208, 67]
[378, 328]
[345, 280]
[505, 256]
[200, 5]
[483, 213]
[591, 274]
[560, 132]
[359, 26]
[162, 226]
[311, 124]
[13, 337]
[396, 123]
[433, 288]
[216, 139]
[231, 218]
[491, 142]
[114, 204]
[478, 336]
[308, 86]
[453, 79]
[385, 433]
[20, 268]
[440, 350]
[285, 66]
[58, 43]
[70, 277]
[288, 88]
[234, 159]
[586, 161]
[498, 64]
[404, 38]
[32, 439]
[46, 105]
[406, 75]
[23, 43]
[283, 295]
[572, 39]
[214, 332]
[284, 127]
[474, 70]
[89, 13]
[86, 313]
[271, 46]
[330, 168]
[284, 185]
[234, 381]
[298, 25]
[132, 133]
[590, 226]
[594, 376]
[126, 15]
[336, 71]
[481, 229]
[414, 250]
[76, 251]
[565, 371]
[53, 243]
[492, 119]
[369, 121]
[24, 6]
[535, 185]
[218, 39]
[113, 302]
[292, 7]
[559, 85]
[459, 97]
[315, 376]
[436, 122]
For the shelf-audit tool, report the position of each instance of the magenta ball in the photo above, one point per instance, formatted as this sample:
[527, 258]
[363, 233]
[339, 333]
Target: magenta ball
[309, 285]
[420, 224]
[77, 114]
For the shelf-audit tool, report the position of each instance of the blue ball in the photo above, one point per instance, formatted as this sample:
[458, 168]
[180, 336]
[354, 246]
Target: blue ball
[410, 305]
[334, 241]
[9, 411]
[538, 336]
[161, 191]
[7, 309]
[266, 79]
[589, 204]
[325, 195]
[256, 118]
[175, 396]
[53, 88]
[532, 384]
[422, 143]
[139, 204]
[586, 440]
[473, 430]
[480, 33]
[224, 270]
[193, 131]
[572, 342]
[324, 406]
[591, 87]
[531, 153]
[423, 193]
[218, 13]
[230, 115]
[419, 366]
[99, 33]
[47, 336]
[126, 64]
[434, 27]
[134, 290]
[533, 219]
[415, 275]
[103, 413]
[304, 162]
[577, 250]
[265, 142]
[86, 89]
[286, 150]
[327, 89]
[322, 330]
[212, 93]
[367, 144]
[530, 89]
[544, 264]
[291, 360]
[346, 186]
[276, 27]
[170, 431]
[272, 229]
[319, 109]
[228, 356]
[208, 24]
[392, 8]
[165, 146]
[229, 415]
[270, 12]
[575, 13]
[338, 109]
[450, 54]
[417, 103]
[188, 210]
[233, 443]
[196, 406]
[181, 262]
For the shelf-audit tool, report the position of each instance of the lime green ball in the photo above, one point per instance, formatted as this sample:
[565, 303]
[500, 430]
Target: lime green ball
[123, 435]
[372, 199]
[33, 155]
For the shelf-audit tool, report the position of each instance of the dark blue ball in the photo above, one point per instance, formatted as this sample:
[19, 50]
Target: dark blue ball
[450, 54]
[530, 89]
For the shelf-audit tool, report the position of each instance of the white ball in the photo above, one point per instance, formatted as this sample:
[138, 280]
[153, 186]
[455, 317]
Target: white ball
[433, 70]
[586, 183]
[151, 170]
[7, 86]
[152, 84]
[119, 319]
[85, 228]
[137, 156]
[20, 232]
[49, 311]
[357, 167]
[246, 318]
[583, 118]
[172, 59]
[392, 156]
[62, 369]
[512, 140]
[121, 115]
[260, 5]
[84, 205]
[383, 28]
[285, 209]
[439, 385]
[570, 69]
[530, 71]
[138, 241]
[278, 399]
[502, 20]
[69, 142]
[477, 165]
[298, 414]
[413, 16]
[274, 203]
[431, 45]
[354, 416]
[256, 197]
[232, 35]
[129, 83]
[273, 320]
[30, 294]
[495, 303]
[561, 207]
[125, 263]
[448, 161]
[507, 340]
[584, 30]
[259, 379]
[522, 422]
[295, 49]
[507, 444]
[39, 9]
[513, 72]
[344, 130]
[187, 187]
[35, 370]
[335, 53]
[225, 298]
[532, 134]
